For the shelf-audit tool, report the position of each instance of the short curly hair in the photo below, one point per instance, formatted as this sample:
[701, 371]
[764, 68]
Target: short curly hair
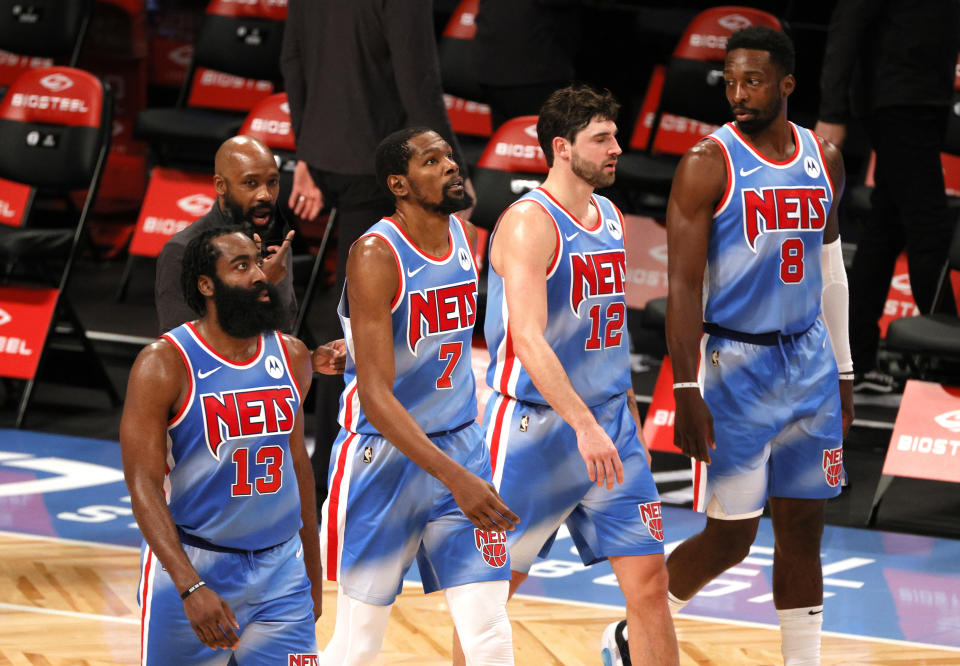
[763, 38]
[568, 110]
[200, 258]
[392, 157]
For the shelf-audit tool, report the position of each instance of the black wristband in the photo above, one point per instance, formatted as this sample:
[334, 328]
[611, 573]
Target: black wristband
[193, 588]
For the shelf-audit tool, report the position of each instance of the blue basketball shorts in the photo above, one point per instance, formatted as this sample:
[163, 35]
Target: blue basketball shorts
[541, 476]
[777, 423]
[268, 592]
[383, 510]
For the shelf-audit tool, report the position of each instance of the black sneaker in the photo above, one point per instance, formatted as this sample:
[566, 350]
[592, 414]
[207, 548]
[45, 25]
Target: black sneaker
[875, 383]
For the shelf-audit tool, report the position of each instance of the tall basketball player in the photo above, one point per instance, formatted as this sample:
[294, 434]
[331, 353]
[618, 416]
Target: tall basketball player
[219, 477]
[562, 425]
[409, 474]
[764, 377]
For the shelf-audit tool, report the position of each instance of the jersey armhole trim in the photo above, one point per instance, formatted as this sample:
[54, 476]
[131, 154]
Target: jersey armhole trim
[823, 163]
[557, 250]
[470, 248]
[191, 392]
[728, 189]
[286, 361]
[401, 282]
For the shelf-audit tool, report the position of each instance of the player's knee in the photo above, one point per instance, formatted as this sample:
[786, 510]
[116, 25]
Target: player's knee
[648, 589]
[492, 643]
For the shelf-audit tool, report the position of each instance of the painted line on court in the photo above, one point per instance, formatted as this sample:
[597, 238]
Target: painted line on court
[63, 613]
[70, 542]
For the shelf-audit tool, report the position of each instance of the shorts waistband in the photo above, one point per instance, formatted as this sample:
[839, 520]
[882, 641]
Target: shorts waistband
[460, 427]
[770, 339]
[197, 542]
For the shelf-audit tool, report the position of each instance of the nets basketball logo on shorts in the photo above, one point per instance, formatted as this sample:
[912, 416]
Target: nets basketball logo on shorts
[302, 660]
[652, 517]
[492, 546]
[833, 465]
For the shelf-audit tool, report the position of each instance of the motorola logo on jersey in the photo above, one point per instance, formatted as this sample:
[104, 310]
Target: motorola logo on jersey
[811, 166]
[440, 310]
[782, 209]
[273, 366]
[596, 274]
[247, 413]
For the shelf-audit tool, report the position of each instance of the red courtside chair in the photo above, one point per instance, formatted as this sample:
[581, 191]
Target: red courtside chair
[55, 131]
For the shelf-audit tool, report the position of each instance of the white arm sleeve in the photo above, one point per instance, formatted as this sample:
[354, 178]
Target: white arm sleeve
[834, 303]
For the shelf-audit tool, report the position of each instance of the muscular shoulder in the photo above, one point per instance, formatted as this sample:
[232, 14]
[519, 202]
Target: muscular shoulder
[161, 366]
[834, 161]
[702, 172]
[527, 221]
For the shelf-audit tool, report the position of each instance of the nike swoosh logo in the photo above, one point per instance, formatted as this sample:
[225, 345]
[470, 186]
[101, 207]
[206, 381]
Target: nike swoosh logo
[412, 273]
[571, 236]
[300, 552]
[203, 375]
[813, 612]
[747, 173]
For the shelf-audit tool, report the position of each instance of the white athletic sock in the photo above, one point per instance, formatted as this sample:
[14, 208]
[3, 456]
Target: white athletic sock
[676, 605]
[800, 635]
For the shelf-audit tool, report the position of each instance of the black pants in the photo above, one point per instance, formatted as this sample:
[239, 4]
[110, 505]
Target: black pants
[360, 203]
[909, 209]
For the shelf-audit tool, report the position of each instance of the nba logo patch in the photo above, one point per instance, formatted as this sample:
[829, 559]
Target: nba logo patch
[367, 454]
[492, 546]
[524, 423]
[652, 518]
[833, 466]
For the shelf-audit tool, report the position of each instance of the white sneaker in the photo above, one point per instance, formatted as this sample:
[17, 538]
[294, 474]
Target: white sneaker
[613, 645]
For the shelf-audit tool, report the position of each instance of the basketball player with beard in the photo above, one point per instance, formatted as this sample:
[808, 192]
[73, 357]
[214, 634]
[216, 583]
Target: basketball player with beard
[409, 474]
[247, 182]
[562, 424]
[757, 331]
[219, 477]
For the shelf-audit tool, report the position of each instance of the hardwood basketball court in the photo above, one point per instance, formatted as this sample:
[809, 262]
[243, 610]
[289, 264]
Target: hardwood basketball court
[71, 602]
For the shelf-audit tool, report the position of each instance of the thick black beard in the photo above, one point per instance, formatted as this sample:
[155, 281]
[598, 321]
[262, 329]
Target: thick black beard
[241, 314]
[449, 204]
[234, 215]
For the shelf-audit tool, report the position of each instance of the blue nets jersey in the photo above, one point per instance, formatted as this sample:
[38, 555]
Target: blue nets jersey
[231, 478]
[763, 260]
[433, 314]
[586, 309]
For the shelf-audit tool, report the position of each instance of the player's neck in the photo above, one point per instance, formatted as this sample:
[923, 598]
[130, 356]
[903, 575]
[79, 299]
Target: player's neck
[429, 231]
[231, 348]
[775, 141]
[571, 191]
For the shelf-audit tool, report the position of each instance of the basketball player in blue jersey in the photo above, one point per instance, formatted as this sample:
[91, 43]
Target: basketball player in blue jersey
[757, 329]
[219, 477]
[409, 473]
[562, 424]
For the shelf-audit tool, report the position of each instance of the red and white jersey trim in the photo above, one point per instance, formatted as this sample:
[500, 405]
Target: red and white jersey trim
[349, 416]
[148, 570]
[495, 436]
[334, 510]
[507, 371]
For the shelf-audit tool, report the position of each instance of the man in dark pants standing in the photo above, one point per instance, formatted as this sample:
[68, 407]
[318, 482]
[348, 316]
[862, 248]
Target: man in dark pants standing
[355, 71]
[892, 63]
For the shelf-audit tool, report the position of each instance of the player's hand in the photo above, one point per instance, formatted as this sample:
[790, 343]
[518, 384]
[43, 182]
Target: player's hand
[600, 455]
[693, 426]
[211, 619]
[846, 404]
[835, 133]
[316, 593]
[275, 258]
[306, 199]
[481, 503]
[331, 358]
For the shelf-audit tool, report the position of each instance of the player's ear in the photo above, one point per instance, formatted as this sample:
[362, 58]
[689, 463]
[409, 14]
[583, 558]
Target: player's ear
[561, 148]
[398, 185]
[205, 286]
[220, 184]
[787, 85]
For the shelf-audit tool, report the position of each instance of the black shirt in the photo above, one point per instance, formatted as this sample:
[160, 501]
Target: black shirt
[355, 71]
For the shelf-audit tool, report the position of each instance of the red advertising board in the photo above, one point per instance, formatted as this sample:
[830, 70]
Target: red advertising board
[466, 117]
[675, 134]
[658, 426]
[926, 436]
[14, 198]
[900, 301]
[173, 201]
[25, 314]
[218, 90]
[646, 244]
